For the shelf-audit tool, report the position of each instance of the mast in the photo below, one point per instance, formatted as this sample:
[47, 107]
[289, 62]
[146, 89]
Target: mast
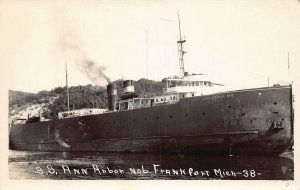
[289, 79]
[147, 56]
[180, 50]
[68, 98]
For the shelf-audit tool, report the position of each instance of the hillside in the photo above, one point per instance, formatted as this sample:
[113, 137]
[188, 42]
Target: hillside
[49, 103]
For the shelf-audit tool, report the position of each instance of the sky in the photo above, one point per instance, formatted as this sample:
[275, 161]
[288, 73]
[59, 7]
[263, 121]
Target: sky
[238, 43]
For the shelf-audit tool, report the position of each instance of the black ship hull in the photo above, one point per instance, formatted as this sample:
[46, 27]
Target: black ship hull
[254, 121]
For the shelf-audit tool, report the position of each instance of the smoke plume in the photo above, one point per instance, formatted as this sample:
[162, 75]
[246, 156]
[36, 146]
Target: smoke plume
[71, 47]
[94, 72]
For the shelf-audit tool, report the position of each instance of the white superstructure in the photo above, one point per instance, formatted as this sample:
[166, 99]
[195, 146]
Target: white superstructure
[191, 85]
[80, 112]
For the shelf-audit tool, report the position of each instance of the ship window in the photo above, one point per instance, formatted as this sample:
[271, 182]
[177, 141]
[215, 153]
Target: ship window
[171, 116]
[193, 94]
[146, 101]
[186, 115]
[157, 117]
[156, 100]
[201, 83]
[275, 103]
[229, 106]
[203, 113]
[161, 99]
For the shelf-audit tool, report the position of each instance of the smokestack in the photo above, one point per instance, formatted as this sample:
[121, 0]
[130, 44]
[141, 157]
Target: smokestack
[128, 86]
[128, 90]
[112, 96]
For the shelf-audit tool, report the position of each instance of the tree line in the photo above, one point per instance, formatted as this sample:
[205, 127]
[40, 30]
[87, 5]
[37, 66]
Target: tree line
[88, 96]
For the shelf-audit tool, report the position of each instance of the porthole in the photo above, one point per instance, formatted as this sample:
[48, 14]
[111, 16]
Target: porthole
[171, 116]
[229, 106]
[275, 103]
[186, 115]
[157, 117]
[203, 113]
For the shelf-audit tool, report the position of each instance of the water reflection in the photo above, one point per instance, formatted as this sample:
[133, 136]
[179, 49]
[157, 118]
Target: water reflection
[91, 165]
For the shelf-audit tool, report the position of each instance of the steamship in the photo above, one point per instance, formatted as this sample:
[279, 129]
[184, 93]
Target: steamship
[194, 115]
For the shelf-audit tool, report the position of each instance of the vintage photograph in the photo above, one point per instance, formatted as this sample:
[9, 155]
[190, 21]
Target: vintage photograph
[150, 90]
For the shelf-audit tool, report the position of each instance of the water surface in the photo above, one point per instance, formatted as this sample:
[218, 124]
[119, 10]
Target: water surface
[97, 166]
